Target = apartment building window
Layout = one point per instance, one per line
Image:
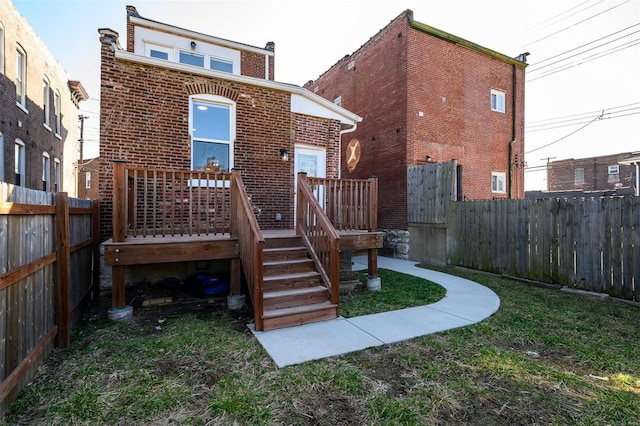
(613, 170)
(191, 59)
(21, 78)
(87, 180)
(1, 48)
(56, 176)
(56, 112)
(212, 132)
(46, 172)
(499, 182)
(579, 176)
(19, 162)
(46, 100)
(497, 101)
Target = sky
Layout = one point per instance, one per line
(582, 93)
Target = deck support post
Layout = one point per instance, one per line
(372, 262)
(118, 309)
(235, 277)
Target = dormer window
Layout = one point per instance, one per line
(158, 52)
(221, 65)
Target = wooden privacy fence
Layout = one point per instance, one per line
(430, 188)
(591, 244)
(49, 266)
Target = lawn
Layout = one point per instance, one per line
(545, 357)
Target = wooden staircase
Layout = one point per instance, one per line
(293, 293)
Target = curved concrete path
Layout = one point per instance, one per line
(465, 303)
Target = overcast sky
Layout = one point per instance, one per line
(583, 82)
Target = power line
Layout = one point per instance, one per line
(583, 113)
(580, 120)
(580, 22)
(584, 51)
(588, 59)
(566, 136)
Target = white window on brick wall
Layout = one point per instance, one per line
(46, 172)
(213, 128)
(46, 100)
(21, 78)
(87, 180)
(613, 170)
(499, 182)
(579, 176)
(56, 175)
(57, 112)
(497, 101)
(338, 101)
(19, 163)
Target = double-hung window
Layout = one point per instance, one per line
(56, 175)
(19, 163)
(497, 101)
(46, 100)
(21, 78)
(46, 172)
(212, 133)
(56, 111)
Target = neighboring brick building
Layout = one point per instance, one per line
(38, 110)
(88, 172)
(157, 94)
(426, 95)
(604, 173)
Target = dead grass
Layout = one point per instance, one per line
(544, 358)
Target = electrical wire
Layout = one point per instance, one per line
(566, 136)
(568, 123)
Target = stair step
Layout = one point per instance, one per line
(288, 298)
(285, 253)
(298, 315)
(290, 266)
(275, 242)
(293, 280)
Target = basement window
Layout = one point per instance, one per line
(497, 101)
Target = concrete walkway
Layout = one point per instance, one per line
(465, 303)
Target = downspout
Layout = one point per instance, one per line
(342, 132)
(513, 132)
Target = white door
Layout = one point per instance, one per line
(313, 161)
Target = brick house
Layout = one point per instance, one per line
(88, 172)
(38, 110)
(160, 92)
(607, 173)
(428, 96)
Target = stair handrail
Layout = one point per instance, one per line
(320, 237)
(244, 226)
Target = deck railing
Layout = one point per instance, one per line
(350, 204)
(250, 242)
(160, 202)
(320, 237)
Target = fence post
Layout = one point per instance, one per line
(302, 180)
(373, 211)
(119, 230)
(63, 253)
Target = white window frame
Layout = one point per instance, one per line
(338, 101)
(21, 78)
(496, 104)
(87, 180)
(1, 157)
(579, 176)
(498, 182)
(613, 170)
(57, 106)
(187, 52)
(46, 172)
(221, 101)
(57, 177)
(19, 162)
(221, 60)
(148, 47)
(46, 101)
(1, 48)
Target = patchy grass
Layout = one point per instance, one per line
(544, 358)
(397, 291)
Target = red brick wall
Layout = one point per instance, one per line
(253, 65)
(15, 123)
(144, 120)
(401, 72)
(561, 174)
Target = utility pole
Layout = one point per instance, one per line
(81, 140)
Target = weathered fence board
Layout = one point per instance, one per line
(586, 243)
(30, 281)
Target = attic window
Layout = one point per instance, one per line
(191, 59)
(351, 65)
(338, 101)
(158, 52)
